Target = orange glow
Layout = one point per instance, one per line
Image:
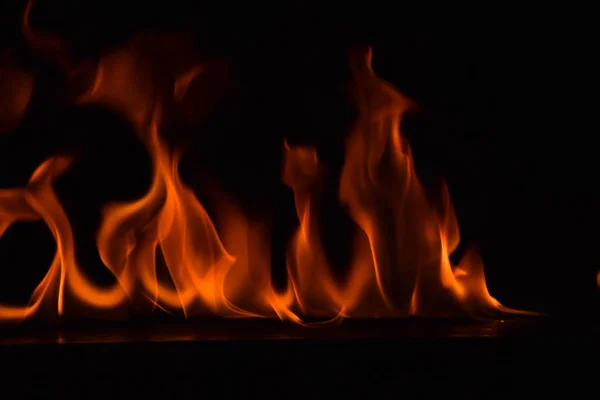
(64, 277)
(400, 262)
(45, 44)
(317, 292)
(410, 242)
(183, 82)
(17, 88)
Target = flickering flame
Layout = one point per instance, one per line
(316, 289)
(410, 242)
(64, 278)
(44, 44)
(400, 263)
(17, 88)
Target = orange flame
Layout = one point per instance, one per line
(46, 44)
(410, 242)
(204, 274)
(17, 88)
(316, 289)
(401, 262)
(38, 200)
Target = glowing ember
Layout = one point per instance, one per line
(400, 264)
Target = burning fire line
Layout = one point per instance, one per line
(400, 265)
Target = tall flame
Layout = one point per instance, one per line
(400, 264)
(318, 293)
(410, 241)
(170, 218)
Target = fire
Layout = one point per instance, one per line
(410, 241)
(17, 89)
(400, 264)
(64, 278)
(317, 291)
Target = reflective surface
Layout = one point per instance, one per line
(359, 359)
(259, 329)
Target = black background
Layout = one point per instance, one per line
(496, 91)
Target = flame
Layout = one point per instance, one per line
(183, 82)
(410, 241)
(17, 88)
(170, 218)
(124, 84)
(206, 277)
(39, 201)
(400, 265)
(317, 291)
(46, 44)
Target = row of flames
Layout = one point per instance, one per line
(400, 265)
